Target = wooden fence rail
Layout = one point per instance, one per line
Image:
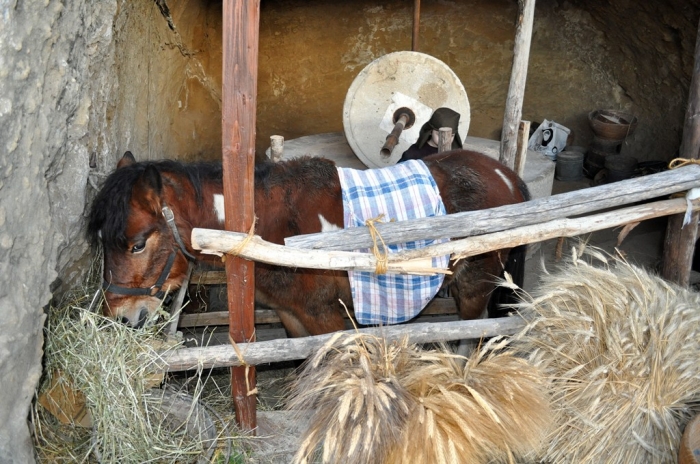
(507, 217)
(287, 349)
(537, 215)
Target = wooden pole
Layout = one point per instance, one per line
(467, 223)
(287, 349)
(276, 147)
(679, 243)
(516, 88)
(445, 139)
(416, 261)
(416, 25)
(241, 21)
(521, 152)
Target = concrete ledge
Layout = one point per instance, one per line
(538, 175)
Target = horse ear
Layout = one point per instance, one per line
(126, 160)
(147, 189)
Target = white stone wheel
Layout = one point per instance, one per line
(400, 79)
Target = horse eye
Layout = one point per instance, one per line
(138, 248)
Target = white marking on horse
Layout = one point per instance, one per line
(219, 207)
(326, 225)
(506, 180)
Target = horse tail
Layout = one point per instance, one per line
(503, 297)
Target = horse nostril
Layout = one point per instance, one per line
(124, 320)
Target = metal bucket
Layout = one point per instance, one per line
(569, 166)
(620, 167)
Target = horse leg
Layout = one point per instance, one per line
(292, 325)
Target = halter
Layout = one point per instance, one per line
(156, 289)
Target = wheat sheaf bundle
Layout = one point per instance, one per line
(374, 401)
(620, 346)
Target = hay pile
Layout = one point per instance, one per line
(620, 346)
(112, 366)
(375, 402)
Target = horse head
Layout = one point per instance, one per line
(144, 255)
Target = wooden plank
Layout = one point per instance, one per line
(289, 349)
(438, 306)
(516, 87)
(241, 21)
(679, 243)
(200, 277)
(471, 223)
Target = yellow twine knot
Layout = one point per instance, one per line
(236, 251)
(679, 162)
(381, 257)
(247, 366)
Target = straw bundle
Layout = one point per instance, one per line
(374, 402)
(620, 346)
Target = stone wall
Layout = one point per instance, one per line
(81, 82)
(55, 62)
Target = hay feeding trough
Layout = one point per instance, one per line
(380, 402)
(620, 347)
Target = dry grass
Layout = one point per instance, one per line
(112, 366)
(620, 347)
(375, 402)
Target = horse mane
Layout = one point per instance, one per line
(110, 209)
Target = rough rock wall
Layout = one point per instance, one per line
(54, 60)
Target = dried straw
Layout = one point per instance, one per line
(620, 347)
(374, 402)
(112, 366)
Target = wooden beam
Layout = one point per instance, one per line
(506, 217)
(289, 349)
(679, 243)
(518, 77)
(241, 22)
(218, 241)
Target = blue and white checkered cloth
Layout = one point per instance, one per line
(400, 192)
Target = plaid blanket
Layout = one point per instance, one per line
(403, 191)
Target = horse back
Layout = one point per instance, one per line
(470, 181)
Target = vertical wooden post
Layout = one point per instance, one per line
(679, 243)
(241, 22)
(445, 139)
(416, 25)
(518, 76)
(521, 152)
(276, 147)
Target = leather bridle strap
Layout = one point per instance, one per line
(170, 220)
(155, 290)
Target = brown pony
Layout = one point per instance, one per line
(145, 212)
